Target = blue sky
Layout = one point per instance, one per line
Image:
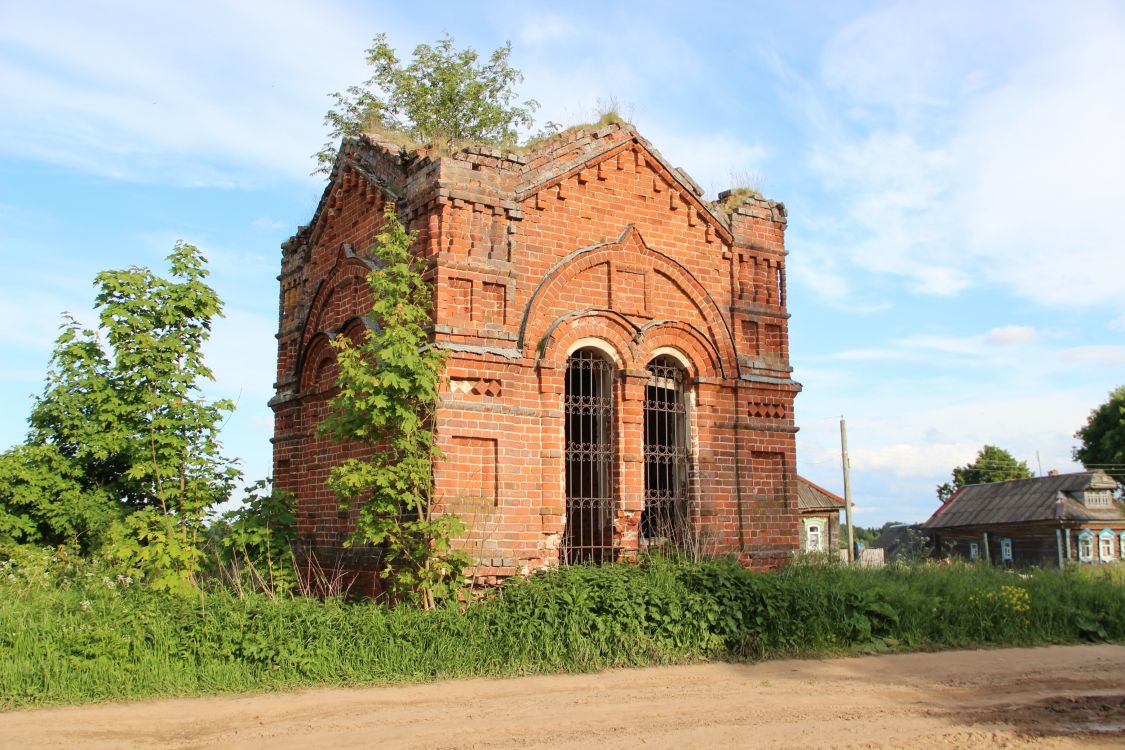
(954, 172)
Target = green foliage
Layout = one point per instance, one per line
(992, 464)
(156, 328)
(90, 637)
(126, 432)
(444, 96)
(1103, 437)
(43, 499)
(157, 548)
(256, 542)
(387, 390)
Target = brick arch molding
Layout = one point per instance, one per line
(311, 356)
(611, 328)
(693, 344)
(537, 319)
(348, 269)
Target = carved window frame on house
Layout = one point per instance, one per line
(1086, 546)
(1006, 550)
(814, 534)
(1106, 539)
(1123, 545)
(666, 518)
(974, 551)
(589, 423)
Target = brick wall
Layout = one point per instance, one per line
(591, 240)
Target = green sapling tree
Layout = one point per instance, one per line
(123, 448)
(388, 388)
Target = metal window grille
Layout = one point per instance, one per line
(588, 407)
(667, 452)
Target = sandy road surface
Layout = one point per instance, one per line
(1058, 697)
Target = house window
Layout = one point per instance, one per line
(1106, 544)
(667, 453)
(812, 538)
(974, 551)
(1086, 546)
(1005, 550)
(589, 423)
(1101, 499)
(1123, 544)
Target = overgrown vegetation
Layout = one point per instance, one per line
(743, 185)
(90, 636)
(388, 390)
(443, 97)
(252, 546)
(122, 455)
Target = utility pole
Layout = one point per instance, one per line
(847, 487)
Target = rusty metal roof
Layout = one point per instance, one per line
(1049, 498)
(814, 497)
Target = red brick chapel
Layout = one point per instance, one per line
(618, 365)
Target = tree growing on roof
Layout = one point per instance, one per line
(992, 464)
(444, 96)
(1103, 437)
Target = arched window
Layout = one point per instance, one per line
(589, 425)
(667, 453)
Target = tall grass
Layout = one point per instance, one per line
(97, 638)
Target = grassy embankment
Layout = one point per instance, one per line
(93, 638)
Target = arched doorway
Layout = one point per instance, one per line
(589, 424)
(667, 451)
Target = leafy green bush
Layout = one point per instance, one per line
(92, 636)
(253, 545)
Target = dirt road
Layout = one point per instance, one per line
(1058, 697)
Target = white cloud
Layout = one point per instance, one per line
(266, 224)
(962, 156)
(1009, 335)
(145, 93)
(1109, 355)
(996, 347)
(897, 438)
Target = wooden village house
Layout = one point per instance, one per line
(820, 517)
(618, 361)
(1052, 520)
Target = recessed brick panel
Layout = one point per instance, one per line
(493, 303)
